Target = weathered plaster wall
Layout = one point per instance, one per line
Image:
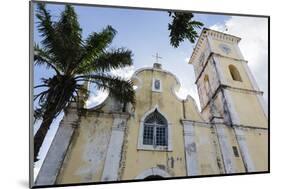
(248, 109)
(205, 92)
(209, 161)
(257, 143)
(85, 159)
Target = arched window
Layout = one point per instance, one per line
(155, 130)
(207, 86)
(234, 73)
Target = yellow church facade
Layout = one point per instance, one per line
(163, 136)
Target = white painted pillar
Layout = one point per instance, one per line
(58, 149)
(244, 150)
(190, 149)
(114, 151)
(225, 147)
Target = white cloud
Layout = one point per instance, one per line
(194, 94)
(254, 45)
(187, 59)
(182, 92)
(124, 73)
(190, 90)
(96, 98)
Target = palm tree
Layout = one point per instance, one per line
(182, 27)
(74, 61)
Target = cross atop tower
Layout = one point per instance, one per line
(157, 57)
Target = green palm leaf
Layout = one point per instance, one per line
(75, 61)
(182, 27)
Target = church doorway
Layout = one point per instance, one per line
(153, 177)
(153, 173)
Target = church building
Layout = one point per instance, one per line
(163, 136)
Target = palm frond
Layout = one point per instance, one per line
(69, 31)
(118, 87)
(51, 42)
(182, 27)
(59, 92)
(113, 59)
(95, 45)
(41, 57)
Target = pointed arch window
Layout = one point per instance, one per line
(155, 130)
(234, 73)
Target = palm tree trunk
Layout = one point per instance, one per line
(41, 134)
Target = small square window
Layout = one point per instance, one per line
(156, 85)
(235, 151)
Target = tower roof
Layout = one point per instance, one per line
(206, 32)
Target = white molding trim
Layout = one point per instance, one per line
(153, 172)
(141, 146)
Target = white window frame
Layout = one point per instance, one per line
(153, 86)
(142, 146)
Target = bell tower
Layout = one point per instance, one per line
(231, 100)
(227, 89)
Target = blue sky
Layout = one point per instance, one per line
(145, 32)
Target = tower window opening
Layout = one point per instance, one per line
(234, 73)
(207, 85)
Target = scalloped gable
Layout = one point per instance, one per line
(191, 110)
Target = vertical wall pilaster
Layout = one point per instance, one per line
(190, 149)
(114, 151)
(58, 149)
(244, 149)
(225, 147)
